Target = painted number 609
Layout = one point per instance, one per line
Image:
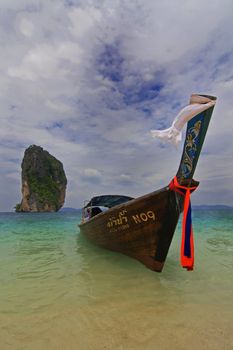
(149, 215)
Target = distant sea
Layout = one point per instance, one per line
(57, 291)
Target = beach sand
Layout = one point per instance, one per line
(119, 325)
(59, 292)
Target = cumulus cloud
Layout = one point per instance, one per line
(91, 175)
(87, 80)
(26, 27)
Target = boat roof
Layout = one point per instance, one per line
(108, 201)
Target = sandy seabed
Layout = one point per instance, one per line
(120, 326)
(58, 292)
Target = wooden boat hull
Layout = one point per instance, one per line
(142, 228)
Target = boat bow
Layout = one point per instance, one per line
(143, 228)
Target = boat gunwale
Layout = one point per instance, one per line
(119, 206)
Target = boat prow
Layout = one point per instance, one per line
(143, 228)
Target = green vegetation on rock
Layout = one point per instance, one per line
(43, 181)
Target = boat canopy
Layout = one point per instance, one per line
(108, 201)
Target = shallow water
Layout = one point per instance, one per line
(57, 291)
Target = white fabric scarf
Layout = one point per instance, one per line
(173, 134)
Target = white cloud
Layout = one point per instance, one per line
(83, 19)
(26, 27)
(88, 82)
(45, 61)
(125, 177)
(91, 173)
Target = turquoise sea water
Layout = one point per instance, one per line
(57, 291)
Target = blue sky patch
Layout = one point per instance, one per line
(110, 63)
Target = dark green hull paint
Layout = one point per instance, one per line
(203, 119)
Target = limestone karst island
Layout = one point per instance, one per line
(43, 182)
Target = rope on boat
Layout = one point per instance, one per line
(187, 242)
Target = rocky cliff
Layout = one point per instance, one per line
(43, 182)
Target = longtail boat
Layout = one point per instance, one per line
(143, 228)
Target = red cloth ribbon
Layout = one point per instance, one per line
(187, 242)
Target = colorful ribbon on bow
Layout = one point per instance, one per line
(187, 242)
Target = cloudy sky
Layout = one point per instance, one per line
(87, 80)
